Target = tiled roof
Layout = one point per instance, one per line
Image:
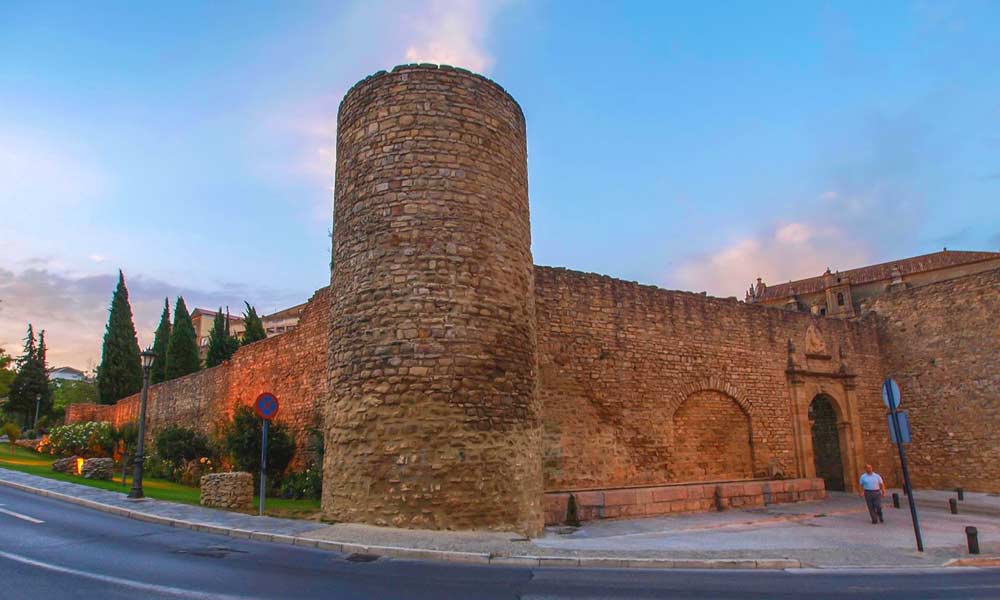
(879, 272)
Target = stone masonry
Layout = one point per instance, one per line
(460, 387)
(433, 418)
(941, 343)
(227, 490)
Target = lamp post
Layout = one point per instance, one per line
(147, 356)
(38, 403)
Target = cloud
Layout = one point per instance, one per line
(452, 33)
(73, 309)
(795, 250)
(875, 181)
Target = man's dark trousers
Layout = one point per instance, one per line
(873, 498)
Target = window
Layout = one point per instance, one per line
(822, 312)
(840, 298)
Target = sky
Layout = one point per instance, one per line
(692, 146)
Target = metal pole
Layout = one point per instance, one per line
(906, 471)
(263, 464)
(38, 402)
(137, 473)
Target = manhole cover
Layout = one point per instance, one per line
(362, 558)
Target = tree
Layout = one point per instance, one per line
(221, 344)
(254, 329)
(120, 372)
(160, 342)
(7, 373)
(182, 350)
(241, 440)
(31, 381)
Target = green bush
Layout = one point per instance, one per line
(304, 484)
(13, 433)
(241, 440)
(90, 439)
(178, 444)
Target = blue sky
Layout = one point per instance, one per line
(691, 146)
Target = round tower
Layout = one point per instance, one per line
(433, 419)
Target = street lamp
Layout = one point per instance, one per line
(147, 356)
(38, 403)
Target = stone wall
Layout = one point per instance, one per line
(645, 386)
(941, 343)
(291, 365)
(433, 418)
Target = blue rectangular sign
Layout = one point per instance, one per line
(904, 427)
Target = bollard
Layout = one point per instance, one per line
(895, 500)
(953, 505)
(961, 493)
(972, 537)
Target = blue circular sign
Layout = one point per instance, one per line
(266, 406)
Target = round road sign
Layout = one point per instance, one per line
(266, 406)
(891, 387)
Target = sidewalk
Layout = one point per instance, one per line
(830, 533)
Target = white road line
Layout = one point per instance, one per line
(20, 516)
(130, 583)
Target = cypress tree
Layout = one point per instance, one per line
(160, 341)
(254, 329)
(232, 342)
(31, 380)
(220, 346)
(120, 372)
(182, 350)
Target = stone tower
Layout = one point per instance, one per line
(433, 419)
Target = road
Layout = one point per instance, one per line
(50, 549)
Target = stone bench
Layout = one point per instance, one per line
(227, 490)
(663, 500)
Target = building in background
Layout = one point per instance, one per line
(67, 373)
(283, 320)
(203, 319)
(274, 324)
(842, 294)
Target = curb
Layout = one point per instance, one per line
(481, 558)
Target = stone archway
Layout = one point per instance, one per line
(828, 458)
(712, 439)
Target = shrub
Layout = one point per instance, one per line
(305, 484)
(241, 441)
(13, 433)
(90, 439)
(178, 444)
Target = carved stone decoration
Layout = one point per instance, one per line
(814, 342)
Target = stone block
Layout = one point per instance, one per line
(227, 490)
(98, 468)
(66, 465)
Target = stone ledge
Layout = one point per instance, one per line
(695, 497)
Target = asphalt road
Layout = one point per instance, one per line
(75, 552)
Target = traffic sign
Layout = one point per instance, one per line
(266, 406)
(904, 427)
(890, 394)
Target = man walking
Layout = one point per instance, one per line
(872, 489)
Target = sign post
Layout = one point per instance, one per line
(891, 397)
(266, 407)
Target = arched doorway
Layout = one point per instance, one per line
(826, 443)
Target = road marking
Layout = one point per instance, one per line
(130, 583)
(20, 516)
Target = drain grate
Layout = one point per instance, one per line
(210, 552)
(361, 558)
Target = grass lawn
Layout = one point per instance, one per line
(28, 461)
